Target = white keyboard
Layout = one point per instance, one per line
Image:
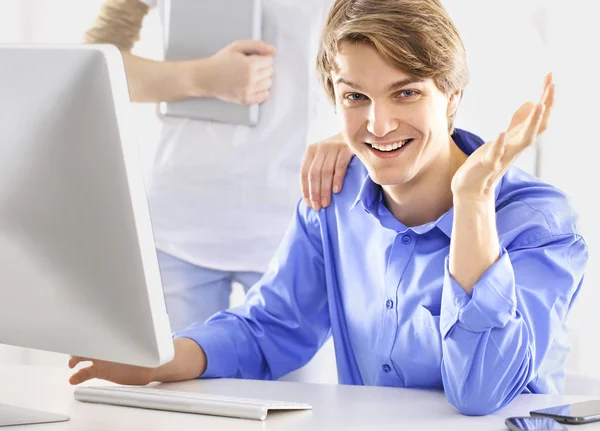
(187, 402)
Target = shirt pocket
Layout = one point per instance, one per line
(419, 355)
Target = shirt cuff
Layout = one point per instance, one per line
(221, 357)
(492, 303)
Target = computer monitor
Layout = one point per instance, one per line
(78, 266)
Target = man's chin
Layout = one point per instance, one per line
(387, 178)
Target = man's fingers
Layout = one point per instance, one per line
(327, 171)
(521, 115)
(83, 375)
(499, 147)
(548, 79)
(341, 166)
(75, 360)
(547, 100)
(548, 103)
(533, 127)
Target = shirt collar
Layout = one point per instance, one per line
(370, 194)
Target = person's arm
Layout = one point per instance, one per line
(283, 323)
(474, 246)
(239, 73)
(285, 319)
(153, 81)
(233, 75)
(502, 309)
(495, 339)
(188, 363)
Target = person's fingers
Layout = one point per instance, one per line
(256, 98)
(83, 375)
(548, 103)
(309, 156)
(497, 151)
(548, 79)
(73, 361)
(505, 154)
(263, 85)
(314, 180)
(533, 126)
(264, 73)
(249, 47)
(261, 62)
(327, 171)
(341, 166)
(521, 115)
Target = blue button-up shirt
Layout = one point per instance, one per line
(384, 292)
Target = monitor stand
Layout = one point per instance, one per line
(12, 415)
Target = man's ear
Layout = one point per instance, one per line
(453, 103)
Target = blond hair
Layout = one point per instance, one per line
(416, 36)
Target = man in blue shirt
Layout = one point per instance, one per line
(437, 266)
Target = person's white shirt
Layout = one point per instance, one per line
(221, 196)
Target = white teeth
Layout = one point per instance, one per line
(390, 147)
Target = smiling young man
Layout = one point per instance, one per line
(437, 266)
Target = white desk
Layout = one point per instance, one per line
(335, 407)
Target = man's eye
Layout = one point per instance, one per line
(407, 93)
(354, 97)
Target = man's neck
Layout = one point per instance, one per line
(428, 196)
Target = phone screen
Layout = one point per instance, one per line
(534, 424)
(585, 409)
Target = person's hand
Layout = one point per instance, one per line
(113, 372)
(189, 362)
(323, 170)
(241, 72)
(483, 169)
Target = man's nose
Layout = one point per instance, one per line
(381, 120)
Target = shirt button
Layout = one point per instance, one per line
(406, 239)
(389, 304)
(386, 368)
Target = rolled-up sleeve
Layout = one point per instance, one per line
(495, 339)
(285, 318)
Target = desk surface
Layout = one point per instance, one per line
(336, 407)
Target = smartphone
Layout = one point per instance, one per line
(533, 424)
(576, 413)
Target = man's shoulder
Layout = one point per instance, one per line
(353, 182)
(529, 209)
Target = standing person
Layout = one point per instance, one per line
(221, 195)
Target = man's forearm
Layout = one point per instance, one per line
(189, 362)
(474, 246)
(163, 81)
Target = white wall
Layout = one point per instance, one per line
(507, 63)
(570, 156)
